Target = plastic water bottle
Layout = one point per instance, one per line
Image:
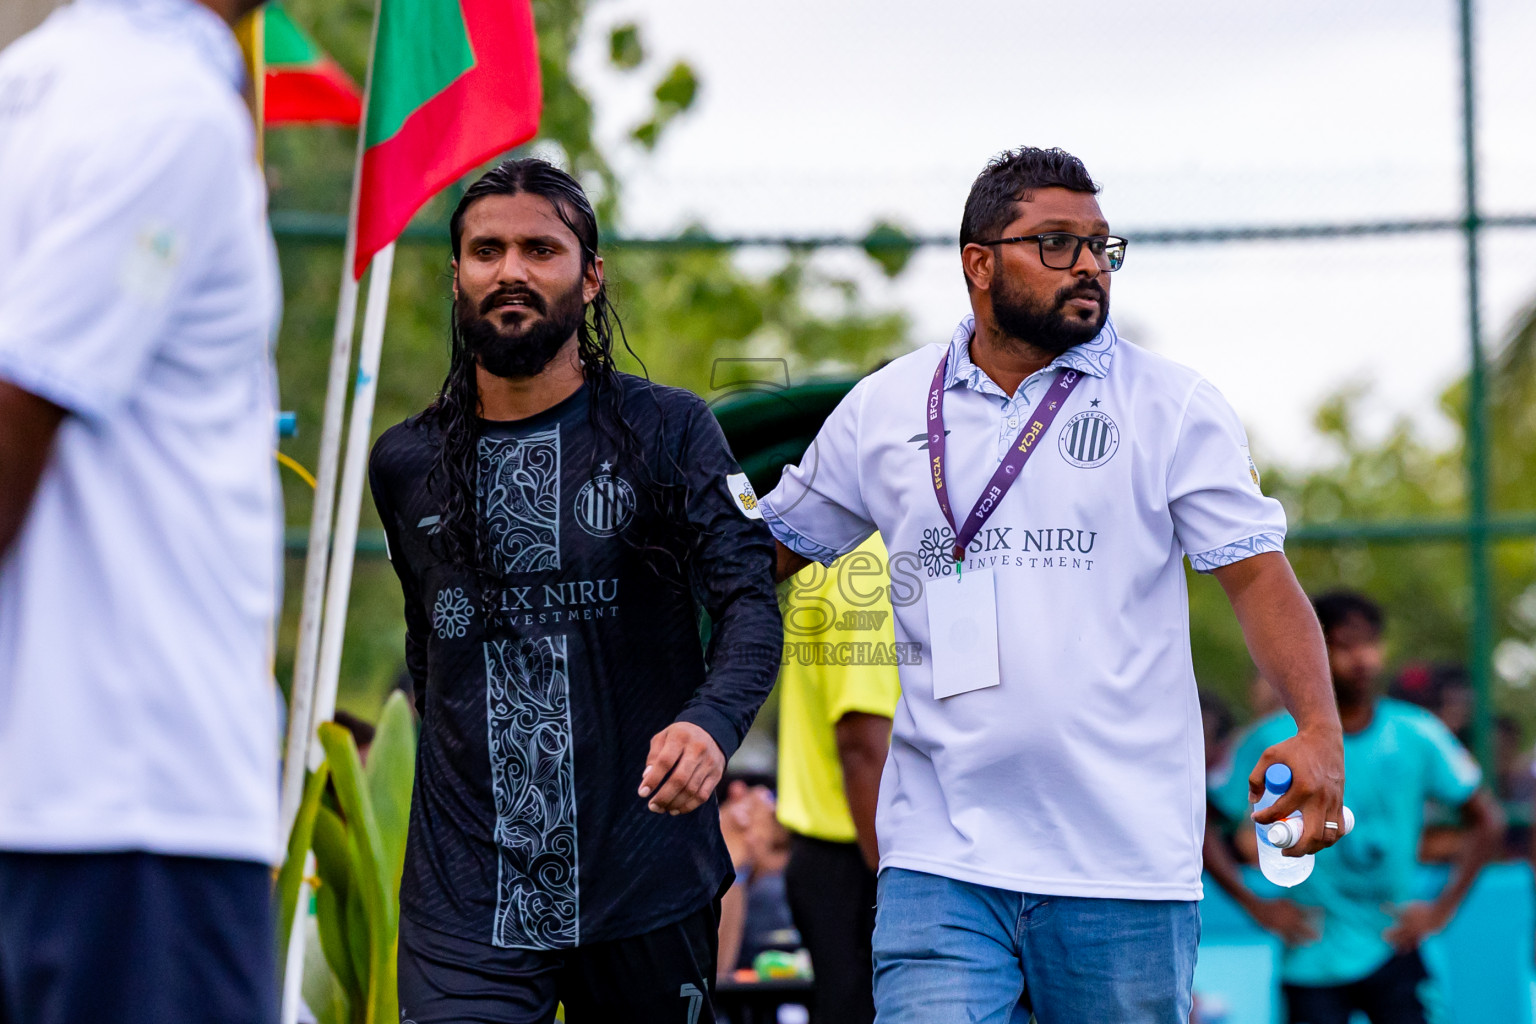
(1285, 833)
(1277, 867)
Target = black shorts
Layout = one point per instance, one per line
(135, 938)
(662, 977)
(1390, 995)
(832, 897)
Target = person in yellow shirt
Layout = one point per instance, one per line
(837, 693)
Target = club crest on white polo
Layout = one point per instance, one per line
(1089, 439)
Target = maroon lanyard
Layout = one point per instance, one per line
(1023, 447)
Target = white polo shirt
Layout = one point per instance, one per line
(138, 290)
(1082, 773)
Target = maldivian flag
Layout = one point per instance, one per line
(303, 84)
(454, 83)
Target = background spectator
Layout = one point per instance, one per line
(754, 914)
(834, 732)
(1352, 930)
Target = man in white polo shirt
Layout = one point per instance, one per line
(139, 523)
(1042, 809)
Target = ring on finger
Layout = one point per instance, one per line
(1331, 824)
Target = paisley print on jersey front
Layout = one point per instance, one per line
(533, 778)
(520, 500)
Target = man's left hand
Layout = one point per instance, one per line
(1415, 923)
(686, 764)
(1316, 761)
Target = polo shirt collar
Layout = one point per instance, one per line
(205, 31)
(1091, 357)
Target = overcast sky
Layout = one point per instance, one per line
(826, 116)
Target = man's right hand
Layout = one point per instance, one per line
(27, 428)
(1316, 760)
(1293, 923)
(686, 763)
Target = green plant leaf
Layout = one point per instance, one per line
(355, 930)
(320, 988)
(332, 862)
(624, 47)
(331, 921)
(352, 793)
(391, 771)
(890, 246)
(679, 88)
(290, 877)
(380, 904)
(674, 94)
(647, 134)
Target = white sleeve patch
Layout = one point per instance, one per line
(1253, 470)
(743, 495)
(149, 268)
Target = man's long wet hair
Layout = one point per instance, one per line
(457, 407)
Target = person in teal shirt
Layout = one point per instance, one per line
(1352, 930)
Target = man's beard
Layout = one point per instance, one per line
(525, 351)
(1047, 326)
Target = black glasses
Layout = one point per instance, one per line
(1059, 250)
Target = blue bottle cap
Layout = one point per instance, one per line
(1277, 778)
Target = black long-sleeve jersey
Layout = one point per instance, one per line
(540, 692)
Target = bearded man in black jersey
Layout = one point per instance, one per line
(557, 527)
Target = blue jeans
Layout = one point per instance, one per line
(951, 952)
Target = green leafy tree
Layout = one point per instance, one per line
(1424, 585)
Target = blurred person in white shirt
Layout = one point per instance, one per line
(140, 523)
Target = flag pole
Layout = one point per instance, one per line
(292, 993)
(301, 719)
(251, 32)
(301, 722)
(339, 585)
(332, 628)
(350, 503)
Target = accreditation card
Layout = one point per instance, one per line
(962, 632)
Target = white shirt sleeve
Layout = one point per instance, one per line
(1219, 513)
(817, 510)
(122, 235)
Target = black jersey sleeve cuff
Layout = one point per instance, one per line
(716, 724)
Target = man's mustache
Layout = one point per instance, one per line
(1089, 290)
(534, 300)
